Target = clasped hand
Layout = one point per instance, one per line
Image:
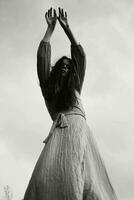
(51, 18)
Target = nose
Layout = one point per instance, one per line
(65, 66)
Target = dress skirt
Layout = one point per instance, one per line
(70, 166)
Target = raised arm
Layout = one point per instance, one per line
(44, 50)
(62, 18)
(77, 52)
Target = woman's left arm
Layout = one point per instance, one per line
(62, 18)
(79, 60)
(77, 52)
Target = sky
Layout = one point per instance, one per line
(105, 29)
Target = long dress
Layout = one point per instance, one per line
(70, 166)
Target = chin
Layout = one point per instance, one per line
(63, 75)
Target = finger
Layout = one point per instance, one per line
(50, 12)
(46, 15)
(66, 14)
(62, 12)
(55, 15)
(59, 11)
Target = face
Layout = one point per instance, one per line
(65, 67)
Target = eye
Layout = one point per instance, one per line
(65, 66)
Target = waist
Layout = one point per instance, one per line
(61, 119)
(74, 111)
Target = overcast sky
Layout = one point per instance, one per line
(105, 28)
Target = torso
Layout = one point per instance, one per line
(54, 114)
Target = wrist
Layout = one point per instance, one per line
(48, 34)
(66, 28)
(51, 27)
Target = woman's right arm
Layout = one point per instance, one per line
(44, 50)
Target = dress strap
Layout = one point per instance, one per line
(76, 113)
(81, 111)
(60, 122)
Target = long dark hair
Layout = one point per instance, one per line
(61, 89)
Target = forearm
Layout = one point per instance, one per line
(70, 35)
(48, 34)
(43, 61)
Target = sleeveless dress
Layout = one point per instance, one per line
(70, 166)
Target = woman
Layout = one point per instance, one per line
(70, 166)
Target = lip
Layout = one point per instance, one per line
(64, 70)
